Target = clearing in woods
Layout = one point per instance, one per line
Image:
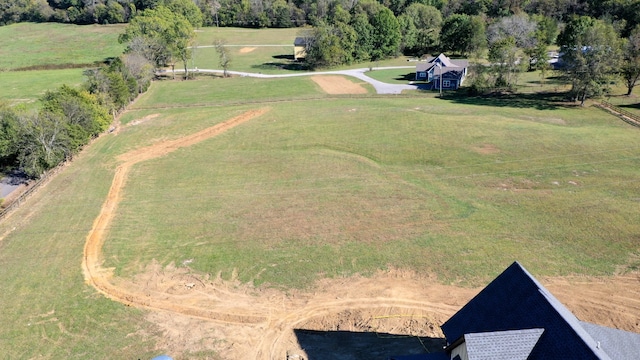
(195, 312)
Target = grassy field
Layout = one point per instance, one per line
(48, 45)
(28, 86)
(320, 186)
(446, 187)
(49, 56)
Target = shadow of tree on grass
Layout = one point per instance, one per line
(286, 63)
(540, 101)
(406, 77)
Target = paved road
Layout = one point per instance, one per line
(381, 87)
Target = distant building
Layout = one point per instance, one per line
(516, 318)
(452, 72)
(299, 48)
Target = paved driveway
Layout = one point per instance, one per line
(381, 87)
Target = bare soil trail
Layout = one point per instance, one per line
(198, 312)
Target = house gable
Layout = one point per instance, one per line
(442, 66)
(515, 300)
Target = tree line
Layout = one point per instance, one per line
(34, 141)
(294, 13)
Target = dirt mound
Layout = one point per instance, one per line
(246, 50)
(338, 85)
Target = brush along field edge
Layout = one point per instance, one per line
(98, 277)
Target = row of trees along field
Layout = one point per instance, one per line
(292, 13)
(34, 141)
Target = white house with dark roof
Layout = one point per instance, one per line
(451, 71)
(516, 318)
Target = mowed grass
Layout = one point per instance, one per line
(48, 311)
(29, 86)
(356, 185)
(48, 44)
(218, 91)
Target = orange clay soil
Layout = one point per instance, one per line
(198, 312)
(338, 85)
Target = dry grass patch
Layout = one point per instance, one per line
(338, 85)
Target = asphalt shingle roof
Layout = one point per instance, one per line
(516, 300)
(502, 345)
(618, 344)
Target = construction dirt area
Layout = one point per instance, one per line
(394, 312)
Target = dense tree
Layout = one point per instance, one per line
(186, 8)
(631, 65)
(386, 35)
(330, 45)
(462, 34)
(420, 26)
(83, 116)
(591, 56)
(8, 136)
(169, 32)
(364, 33)
(505, 62)
(43, 142)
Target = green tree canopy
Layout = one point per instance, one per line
(462, 34)
(386, 35)
(170, 32)
(631, 64)
(592, 53)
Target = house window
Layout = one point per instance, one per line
(422, 74)
(446, 83)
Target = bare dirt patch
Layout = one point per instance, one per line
(246, 50)
(365, 311)
(200, 313)
(486, 149)
(338, 85)
(142, 120)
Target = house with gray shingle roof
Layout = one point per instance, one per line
(452, 72)
(515, 317)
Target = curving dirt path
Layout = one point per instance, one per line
(99, 277)
(199, 313)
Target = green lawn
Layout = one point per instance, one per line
(445, 187)
(394, 76)
(28, 86)
(50, 44)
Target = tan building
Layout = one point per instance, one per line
(299, 48)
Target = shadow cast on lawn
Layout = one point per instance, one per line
(540, 101)
(293, 66)
(406, 77)
(336, 345)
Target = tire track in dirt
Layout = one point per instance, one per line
(98, 277)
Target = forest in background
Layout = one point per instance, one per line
(294, 13)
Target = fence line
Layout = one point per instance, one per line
(15, 203)
(626, 116)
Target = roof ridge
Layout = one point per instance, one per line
(566, 315)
